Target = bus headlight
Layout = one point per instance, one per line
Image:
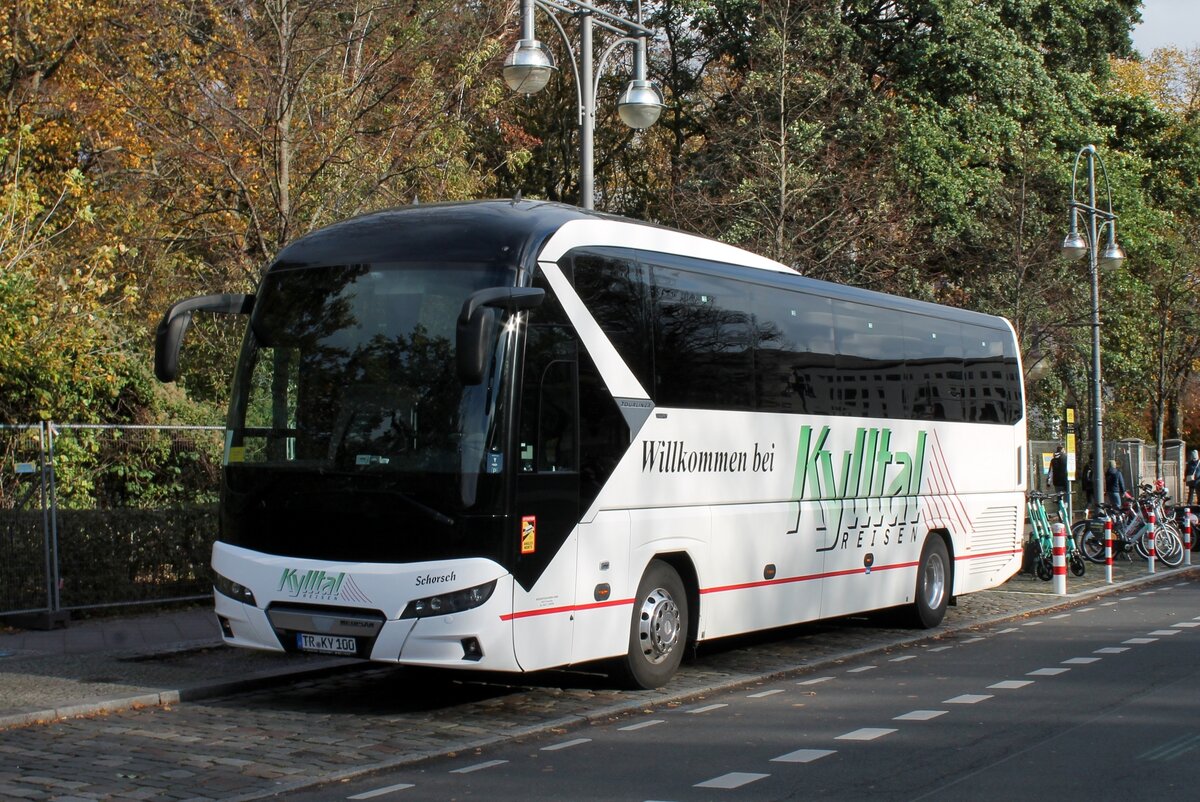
(227, 587)
(447, 603)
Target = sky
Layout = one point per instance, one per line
(1168, 23)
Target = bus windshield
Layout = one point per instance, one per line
(347, 387)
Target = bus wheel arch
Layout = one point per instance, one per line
(934, 582)
(662, 623)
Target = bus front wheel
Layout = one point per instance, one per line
(933, 584)
(658, 628)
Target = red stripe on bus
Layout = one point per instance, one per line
(572, 608)
(1008, 553)
(804, 578)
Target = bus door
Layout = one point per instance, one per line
(547, 485)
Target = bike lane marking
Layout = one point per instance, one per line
(487, 764)
(734, 779)
(566, 744)
(804, 756)
(381, 791)
(920, 715)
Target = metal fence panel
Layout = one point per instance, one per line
(26, 550)
(136, 512)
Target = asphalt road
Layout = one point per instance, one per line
(317, 729)
(1095, 702)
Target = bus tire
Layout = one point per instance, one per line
(658, 629)
(933, 584)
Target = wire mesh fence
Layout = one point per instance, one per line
(100, 516)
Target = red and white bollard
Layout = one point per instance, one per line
(1059, 551)
(1150, 544)
(1108, 551)
(1187, 535)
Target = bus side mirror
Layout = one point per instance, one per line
(473, 333)
(169, 336)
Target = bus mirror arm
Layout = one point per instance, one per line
(471, 334)
(169, 336)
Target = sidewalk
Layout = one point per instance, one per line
(165, 658)
(111, 664)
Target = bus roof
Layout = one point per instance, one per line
(515, 232)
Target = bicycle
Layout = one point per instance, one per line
(1040, 546)
(1131, 529)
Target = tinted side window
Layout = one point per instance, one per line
(702, 352)
(934, 356)
(613, 289)
(870, 361)
(793, 352)
(990, 389)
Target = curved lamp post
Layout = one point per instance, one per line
(1076, 245)
(529, 67)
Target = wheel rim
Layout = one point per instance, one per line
(659, 625)
(933, 582)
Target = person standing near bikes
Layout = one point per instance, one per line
(1191, 476)
(1058, 471)
(1114, 485)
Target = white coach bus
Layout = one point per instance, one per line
(518, 435)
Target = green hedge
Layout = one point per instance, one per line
(22, 560)
(135, 555)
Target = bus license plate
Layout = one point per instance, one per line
(326, 644)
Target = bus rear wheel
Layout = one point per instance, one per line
(933, 584)
(658, 629)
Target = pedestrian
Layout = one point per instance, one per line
(1089, 485)
(1114, 485)
(1191, 476)
(1058, 471)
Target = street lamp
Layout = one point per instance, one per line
(1076, 245)
(529, 67)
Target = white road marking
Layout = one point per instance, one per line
(1033, 623)
(1112, 650)
(1047, 672)
(861, 669)
(1148, 593)
(641, 725)
(566, 744)
(1165, 632)
(814, 681)
(762, 694)
(479, 766)
(904, 657)
(1109, 604)
(1081, 661)
(1061, 615)
(968, 699)
(1011, 684)
(973, 640)
(1006, 631)
(382, 791)
(940, 648)
(706, 709)
(1128, 598)
(1188, 624)
(1085, 609)
(1139, 641)
(919, 715)
(804, 756)
(865, 734)
(732, 780)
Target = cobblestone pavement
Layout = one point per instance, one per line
(340, 720)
